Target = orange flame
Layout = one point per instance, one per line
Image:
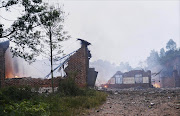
(156, 85)
(10, 66)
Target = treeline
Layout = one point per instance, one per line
(164, 56)
(155, 60)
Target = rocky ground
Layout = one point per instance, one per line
(149, 102)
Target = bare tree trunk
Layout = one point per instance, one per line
(50, 38)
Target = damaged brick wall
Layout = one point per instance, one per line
(28, 81)
(173, 81)
(78, 66)
(167, 82)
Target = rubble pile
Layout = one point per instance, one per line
(146, 102)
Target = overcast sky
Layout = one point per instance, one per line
(121, 30)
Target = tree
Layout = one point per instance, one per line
(24, 33)
(153, 59)
(38, 31)
(171, 45)
(162, 52)
(52, 23)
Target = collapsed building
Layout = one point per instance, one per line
(168, 74)
(131, 79)
(78, 68)
(170, 81)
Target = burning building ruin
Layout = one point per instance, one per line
(134, 78)
(172, 81)
(167, 79)
(78, 68)
(168, 74)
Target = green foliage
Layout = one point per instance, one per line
(153, 59)
(28, 103)
(52, 23)
(171, 53)
(29, 32)
(17, 94)
(23, 32)
(68, 87)
(162, 53)
(75, 105)
(165, 56)
(8, 3)
(27, 108)
(17, 101)
(171, 45)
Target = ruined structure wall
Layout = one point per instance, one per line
(129, 79)
(167, 82)
(28, 81)
(3, 47)
(173, 81)
(2, 67)
(123, 86)
(78, 65)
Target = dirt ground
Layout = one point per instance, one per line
(149, 102)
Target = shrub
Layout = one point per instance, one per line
(18, 93)
(23, 102)
(27, 108)
(68, 87)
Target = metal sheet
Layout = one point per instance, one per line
(92, 75)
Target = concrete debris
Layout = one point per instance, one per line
(108, 102)
(144, 102)
(152, 104)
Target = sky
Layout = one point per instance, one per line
(119, 30)
(122, 31)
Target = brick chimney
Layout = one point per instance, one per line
(78, 64)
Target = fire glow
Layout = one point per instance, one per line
(156, 85)
(11, 66)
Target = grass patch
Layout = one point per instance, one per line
(73, 105)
